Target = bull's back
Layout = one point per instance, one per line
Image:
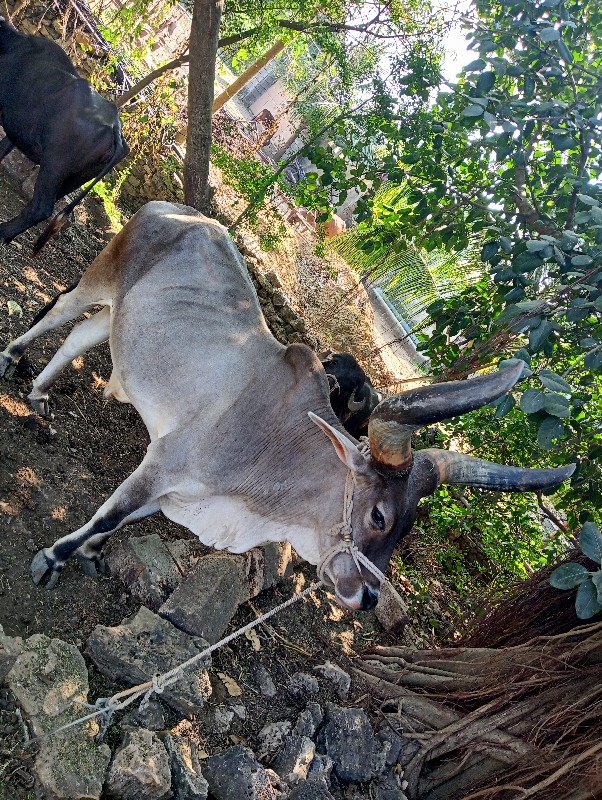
(187, 329)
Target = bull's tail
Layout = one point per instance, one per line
(121, 150)
(49, 306)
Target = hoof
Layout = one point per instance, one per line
(95, 567)
(40, 405)
(7, 366)
(44, 570)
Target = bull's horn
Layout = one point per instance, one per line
(352, 403)
(393, 421)
(470, 471)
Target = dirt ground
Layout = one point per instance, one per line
(53, 477)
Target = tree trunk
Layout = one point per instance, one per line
(247, 75)
(204, 35)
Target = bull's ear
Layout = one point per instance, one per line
(346, 450)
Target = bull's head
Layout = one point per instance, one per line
(391, 480)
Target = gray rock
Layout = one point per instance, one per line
(302, 685)
(146, 566)
(140, 768)
(207, 599)
(186, 778)
(186, 553)
(320, 767)
(387, 789)
(223, 719)
(292, 763)
(347, 737)
(312, 789)
(271, 737)
(279, 299)
(308, 720)
(10, 648)
(391, 744)
(336, 677)
(391, 609)
(148, 645)
(239, 710)
(273, 277)
(151, 717)
(235, 774)
(265, 682)
(50, 682)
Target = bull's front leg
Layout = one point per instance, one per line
(136, 498)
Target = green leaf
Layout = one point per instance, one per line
(489, 250)
(554, 382)
(597, 581)
(486, 82)
(539, 335)
(535, 245)
(562, 141)
(593, 360)
(473, 110)
(532, 401)
(549, 35)
(587, 200)
(586, 602)
(590, 541)
(564, 52)
(567, 576)
(550, 429)
(505, 407)
(525, 262)
(581, 261)
(557, 405)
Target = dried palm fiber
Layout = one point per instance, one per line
(497, 724)
(529, 608)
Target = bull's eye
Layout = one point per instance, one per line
(378, 519)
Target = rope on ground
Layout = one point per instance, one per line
(105, 707)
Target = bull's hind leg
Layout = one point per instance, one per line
(136, 498)
(68, 306)
(83, 337)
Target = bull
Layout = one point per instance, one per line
(239, 467)
(58, 121)
(352, 395)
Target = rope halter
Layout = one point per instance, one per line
(346, 544)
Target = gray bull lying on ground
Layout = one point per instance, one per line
(244, 445)
(58, 121)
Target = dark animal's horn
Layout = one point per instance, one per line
(352, 403)
(469, 471)
(393, 421)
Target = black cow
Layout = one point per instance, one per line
(58, 121)
(352, 396)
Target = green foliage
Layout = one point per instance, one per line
(588, 600)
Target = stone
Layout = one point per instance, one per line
(301, 685)
(148, 645)
(10, 648)
(387, 789)
(151, 717)
(49, 680)
(293, 761)
(207, 599)
(279, 299)
(308, 720)
(336, 677)
(140, 768)
(273, 277)
(265, 682)
(320, 767)
(146, 566)
(187, 780)
(235, 774)
(271, 738)
(391, 609)
(347, 737)
(223, 719)
(186, 553)
(274, 562)
(312, 789)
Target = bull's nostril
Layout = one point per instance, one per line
(369, 598)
